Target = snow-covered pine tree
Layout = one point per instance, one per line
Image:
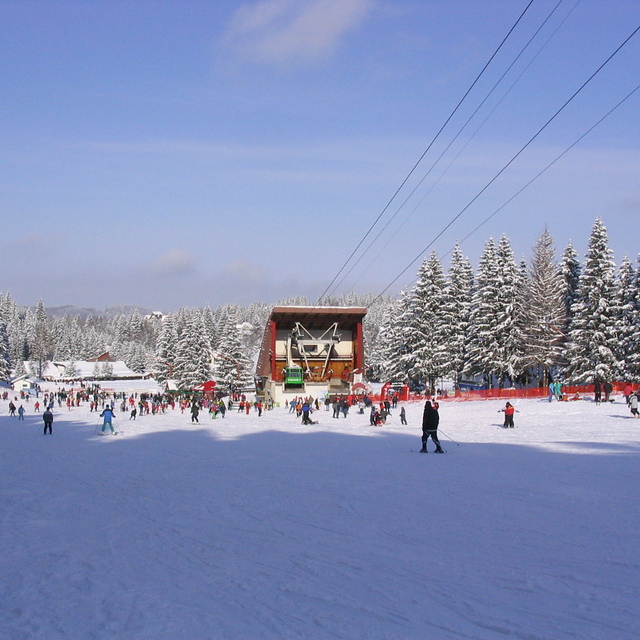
(592, 338)
(71, 371)
(136, 326)
(632, 348)
(18, 345)
(509, 330)
(570, 269)
(209, 325)
(545, 313)
(165, 356)
(456, 308)
(5, 362)
(106, 370)
(626, 320)
(482, 343)
(372, 326)
(137, 358)
(256, 314)
(496, 320)
(426, 359)
(193, 353)
(392, 344)
(5, 348)
(232, 365)
(39, 343)
(19, 369)
(94, 344)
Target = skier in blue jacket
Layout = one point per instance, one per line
(107, 416)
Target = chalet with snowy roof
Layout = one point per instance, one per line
(311, 351)
(23, 383)
(59, 371)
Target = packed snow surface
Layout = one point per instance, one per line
(259, 527)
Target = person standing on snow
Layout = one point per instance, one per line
(508, 411)
(633, 404)
(557, 385)
(597, 391)
(47, 416)
(108, 417)
(430, 422)
(628, 392)
(403, 415)
(21, 413)
(306, 410)
(195, 410)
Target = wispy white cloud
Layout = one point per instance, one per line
(293, 32)
(175, 262)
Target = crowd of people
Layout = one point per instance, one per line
(150, 404)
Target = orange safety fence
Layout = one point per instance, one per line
(569, 392)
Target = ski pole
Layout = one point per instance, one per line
(450, 438)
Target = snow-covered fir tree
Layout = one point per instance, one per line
(570, 269)
(627, 317)
(426, 359)
(496, 321)
(456, 307)
(210, 325)
(165, 356)
(5, 362)
(94, 344)
(632, 346)
(233, 367)
(138, 358)
(39, 343)
(545, 312)
(393, 342)
(372, 325)
(71, 371)
(193, 353)
(482, 319)
(106, 370)
(592, 336)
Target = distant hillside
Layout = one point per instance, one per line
(84, 313)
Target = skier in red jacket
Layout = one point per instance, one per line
(508, 410)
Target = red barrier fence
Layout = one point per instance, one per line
(569, 392)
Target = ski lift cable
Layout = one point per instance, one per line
(433, 140)
(406, 219)
(495, 86)
(513, 158)
(528, 184)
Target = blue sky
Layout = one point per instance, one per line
(187, 153)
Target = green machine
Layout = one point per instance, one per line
(293, 376)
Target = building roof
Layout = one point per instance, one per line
(85, 369)
(316, 317)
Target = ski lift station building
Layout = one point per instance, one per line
(310, 351)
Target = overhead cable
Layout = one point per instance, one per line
(513, 158)
(415, 166)
(464, 126)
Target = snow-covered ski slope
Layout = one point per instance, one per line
(249, 527)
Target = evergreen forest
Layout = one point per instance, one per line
(506, 323)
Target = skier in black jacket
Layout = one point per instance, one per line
(47, 416)
(430, 421)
